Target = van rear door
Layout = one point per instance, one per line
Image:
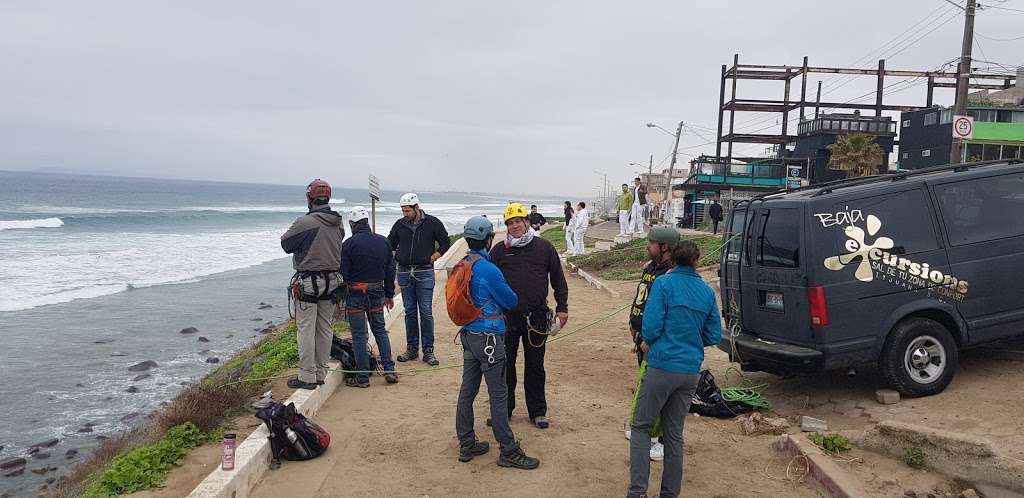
(773, 280)
(735, 235)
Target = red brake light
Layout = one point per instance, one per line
(819, 307)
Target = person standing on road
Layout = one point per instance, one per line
(580, 223)
(537, 220)
(681, 318)
(368, 267)
(568, 228)
(531, 265)
(417, 239)
(314, 241)
(625, 206)
(484, 353)
(636, 224)
(660, 242)
(716, 214)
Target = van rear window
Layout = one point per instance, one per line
(779, 243)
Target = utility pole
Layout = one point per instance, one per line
(963, 76)
(671, 171)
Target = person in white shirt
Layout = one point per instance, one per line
(580, 224)
(636, 218)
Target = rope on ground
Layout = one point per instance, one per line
(434, 369)
(746, 391)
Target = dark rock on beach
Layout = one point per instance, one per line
(141, 377)
(213, 359)
(132, 390)
(130, 416)
(118, 353)
(103, 341)
(189, 330)
(49, 443)
(85, 430)
(264, 306)
(42, 455)
(10, 463)
(72, 453)
(14, 473)
(257, 319)
(142, 366)
(203, 339)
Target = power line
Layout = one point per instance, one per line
(990, 38)
(1019, 11)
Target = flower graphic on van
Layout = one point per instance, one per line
(859, 249)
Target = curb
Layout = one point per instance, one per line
(828, 478)
(957, 455)
(592, 280)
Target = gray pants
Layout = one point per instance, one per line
(477, 364)
(314, 338)
(669, 395)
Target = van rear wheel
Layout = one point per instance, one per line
(920, 357)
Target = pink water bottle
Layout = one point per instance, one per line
(227, 460)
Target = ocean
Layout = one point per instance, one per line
(100, 273)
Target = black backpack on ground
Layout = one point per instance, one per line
(292, 435)
(708, 400)
(341, 350)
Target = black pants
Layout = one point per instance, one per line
(533, 374)
(716, 226)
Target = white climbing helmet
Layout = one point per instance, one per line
(358, 213)
(409, 199)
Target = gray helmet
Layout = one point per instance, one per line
(478, 228)
(664, 234)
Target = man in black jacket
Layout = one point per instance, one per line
(530, 264)
(537, 220)
(417, 240)
(369, 270)
(715, 212)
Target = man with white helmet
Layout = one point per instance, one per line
(369, 270)
(314, 240)
(417, 240)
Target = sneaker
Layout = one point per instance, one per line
(298, 384)
(409, 355)
(657, 451)
(541, 422)
(518, 460)
(356, 382)
(628, 432)
(391, 377)
(429, 358)
(466, 453)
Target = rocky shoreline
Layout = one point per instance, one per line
(44, 465)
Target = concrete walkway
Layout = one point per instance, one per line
(610, 229)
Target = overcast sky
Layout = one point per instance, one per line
(527, 96)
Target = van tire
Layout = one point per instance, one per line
(932, 340)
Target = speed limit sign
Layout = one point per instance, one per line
(963, 127)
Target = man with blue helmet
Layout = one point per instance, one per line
(483, 346)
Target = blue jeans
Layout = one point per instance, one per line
(418, 299)
(359, 308)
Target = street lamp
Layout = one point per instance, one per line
(604, 189)
(671, 168)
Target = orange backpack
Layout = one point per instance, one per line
(461, 309)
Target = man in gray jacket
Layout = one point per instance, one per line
(314, 241)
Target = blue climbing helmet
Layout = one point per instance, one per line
(478, 228)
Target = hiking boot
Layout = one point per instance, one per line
(391, 377)
(466, 453)
(429, 358)
(409, 355)
(518, 460)
(540, 422)
(298, 384)
(356, 382)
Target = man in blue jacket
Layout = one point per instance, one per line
(681, 318)
(368, 267)
(483, 353)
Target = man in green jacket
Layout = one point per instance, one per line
(625, 204)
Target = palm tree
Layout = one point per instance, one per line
(857, 154)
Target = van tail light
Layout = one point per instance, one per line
(819, 307)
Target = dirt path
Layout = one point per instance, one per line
(399, 441)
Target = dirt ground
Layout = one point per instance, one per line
(399, 440)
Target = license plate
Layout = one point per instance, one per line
(773, 301)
